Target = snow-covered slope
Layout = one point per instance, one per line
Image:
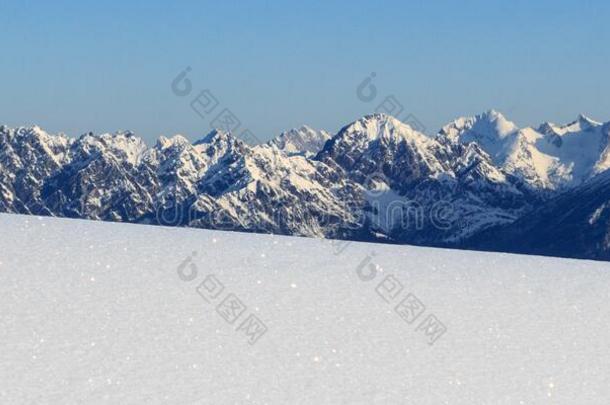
(101, 313)
(549, 157)
(407, 174)
(580, 147)
(301, 141)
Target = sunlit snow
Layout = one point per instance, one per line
(95, 312)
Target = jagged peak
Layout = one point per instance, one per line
(35, 132)
(292, 132)
(582, 122)
(164, 142)
(24, 130)
(300, 140)
(489, 115)
(380, 125)
(585, 120)
(216, 135)
(303, 128)
(120, 139)
(306, 127)
(380, 117)
(493, 114)
(490, 124)
(547, 128)
(497, 118)
(119, 143)
(39, 132)
(127, 133)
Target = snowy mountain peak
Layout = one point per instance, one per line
(119, 139)
(485, 128)
(581, 123)
(176, 140)
(37, 129)
(585, 122)
(493, 115)
(304, 141)
(33, 131)
(516, 151)
(126, 133)
(30, 148)
(380, 127)
(488, 168)
(121, 145)
(379, 144)
(548, 128)
(494, 134)
(304, 128)
(216, 136)
(381, 118)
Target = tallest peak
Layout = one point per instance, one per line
(379, 126)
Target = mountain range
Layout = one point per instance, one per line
(481, 182)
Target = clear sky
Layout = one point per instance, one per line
(77, 66)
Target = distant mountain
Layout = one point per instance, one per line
(303, 141)
(420, 190)
(217, 182)
(473, 184)
(551, 157)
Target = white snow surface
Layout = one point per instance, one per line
(96, 313)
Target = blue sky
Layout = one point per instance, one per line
(103, 66)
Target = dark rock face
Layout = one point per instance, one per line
(573, 224)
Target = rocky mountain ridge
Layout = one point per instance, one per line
(376, 179)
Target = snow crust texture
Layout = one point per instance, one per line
(100, 313)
